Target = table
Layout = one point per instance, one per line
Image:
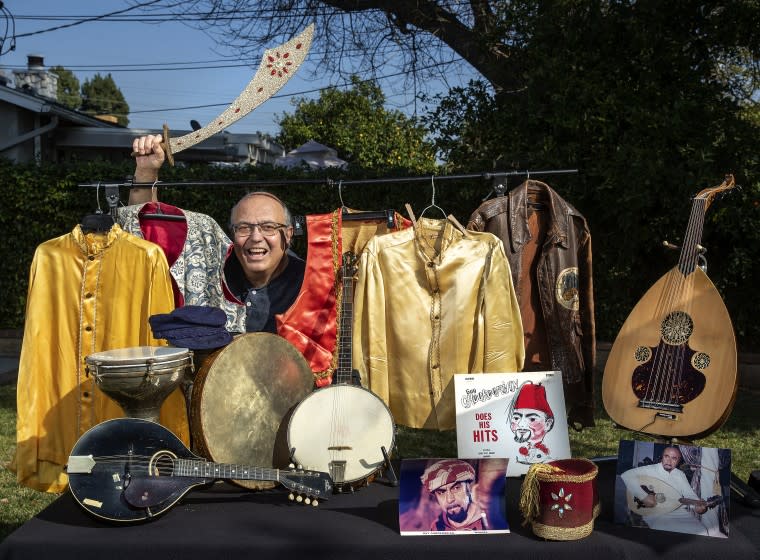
(226, 522)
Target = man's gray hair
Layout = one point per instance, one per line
(288, 215)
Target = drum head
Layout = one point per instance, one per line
(242, 399)
(139, 362)
(137, 354)
(340, 430)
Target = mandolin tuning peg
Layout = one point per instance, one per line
(299, 499)
(299, 467)
(307, 501)
(291, 496)
(315, 502)
(291, 466)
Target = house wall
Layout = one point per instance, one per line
(14, 122)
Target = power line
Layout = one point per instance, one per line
(235, 14)
(281, 96)
(10, 30)
(85, 20)
(162, 66)
(240, 15)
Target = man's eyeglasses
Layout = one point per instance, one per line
(267, 229)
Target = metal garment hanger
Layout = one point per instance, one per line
(98, 221)
(158, 214)
(537, 195)
(299, 222)
(388, 215)
(432, 201)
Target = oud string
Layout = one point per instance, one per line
(664, 353)
(685, 299)
(667, 363)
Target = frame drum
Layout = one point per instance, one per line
(242, 399)
(140, 378)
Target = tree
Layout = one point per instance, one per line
(100, 96)
(358, 126)
(68, 88)
(418, 38)
(651, 100)
(641, 98)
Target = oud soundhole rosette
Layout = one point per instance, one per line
(700, 360)
(642, 354)
(676, 328)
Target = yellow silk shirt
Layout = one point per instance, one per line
(87, 293)
(431, 301)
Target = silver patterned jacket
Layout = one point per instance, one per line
(198, 269)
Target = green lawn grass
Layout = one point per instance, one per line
(741, 434)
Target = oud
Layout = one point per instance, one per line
(130, 469)
(667, 498)
(671, 371)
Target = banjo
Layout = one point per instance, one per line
(343, 429)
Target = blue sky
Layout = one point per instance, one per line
(101, 45)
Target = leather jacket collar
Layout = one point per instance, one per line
(518, 211)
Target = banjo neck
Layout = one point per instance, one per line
(343, 372)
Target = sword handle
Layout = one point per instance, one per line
(165, 146)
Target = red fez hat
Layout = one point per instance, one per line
(559, 499)
(445, 472)
(533, 396)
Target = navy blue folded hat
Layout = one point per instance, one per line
(195, 340)
(190, 315)
(193, 326)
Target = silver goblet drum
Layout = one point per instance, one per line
(140, 378)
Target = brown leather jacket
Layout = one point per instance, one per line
(563, 280)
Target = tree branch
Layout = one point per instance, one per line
(476, 45)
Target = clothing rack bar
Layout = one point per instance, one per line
(486, 176)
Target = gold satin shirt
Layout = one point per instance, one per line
(87, 293)
(431, 301)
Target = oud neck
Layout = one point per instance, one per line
(690, 248)
(228, 471)
(345, 351)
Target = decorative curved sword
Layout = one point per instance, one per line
(277, 66)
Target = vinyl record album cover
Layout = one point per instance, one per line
(518, 416)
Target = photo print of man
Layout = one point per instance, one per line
(673, 487)
(452, 496)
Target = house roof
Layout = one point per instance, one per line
(311, 154)
(38, 104)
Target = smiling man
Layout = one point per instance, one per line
(260, 271)
(263, 273)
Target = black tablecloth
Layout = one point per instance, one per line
(226, 522)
